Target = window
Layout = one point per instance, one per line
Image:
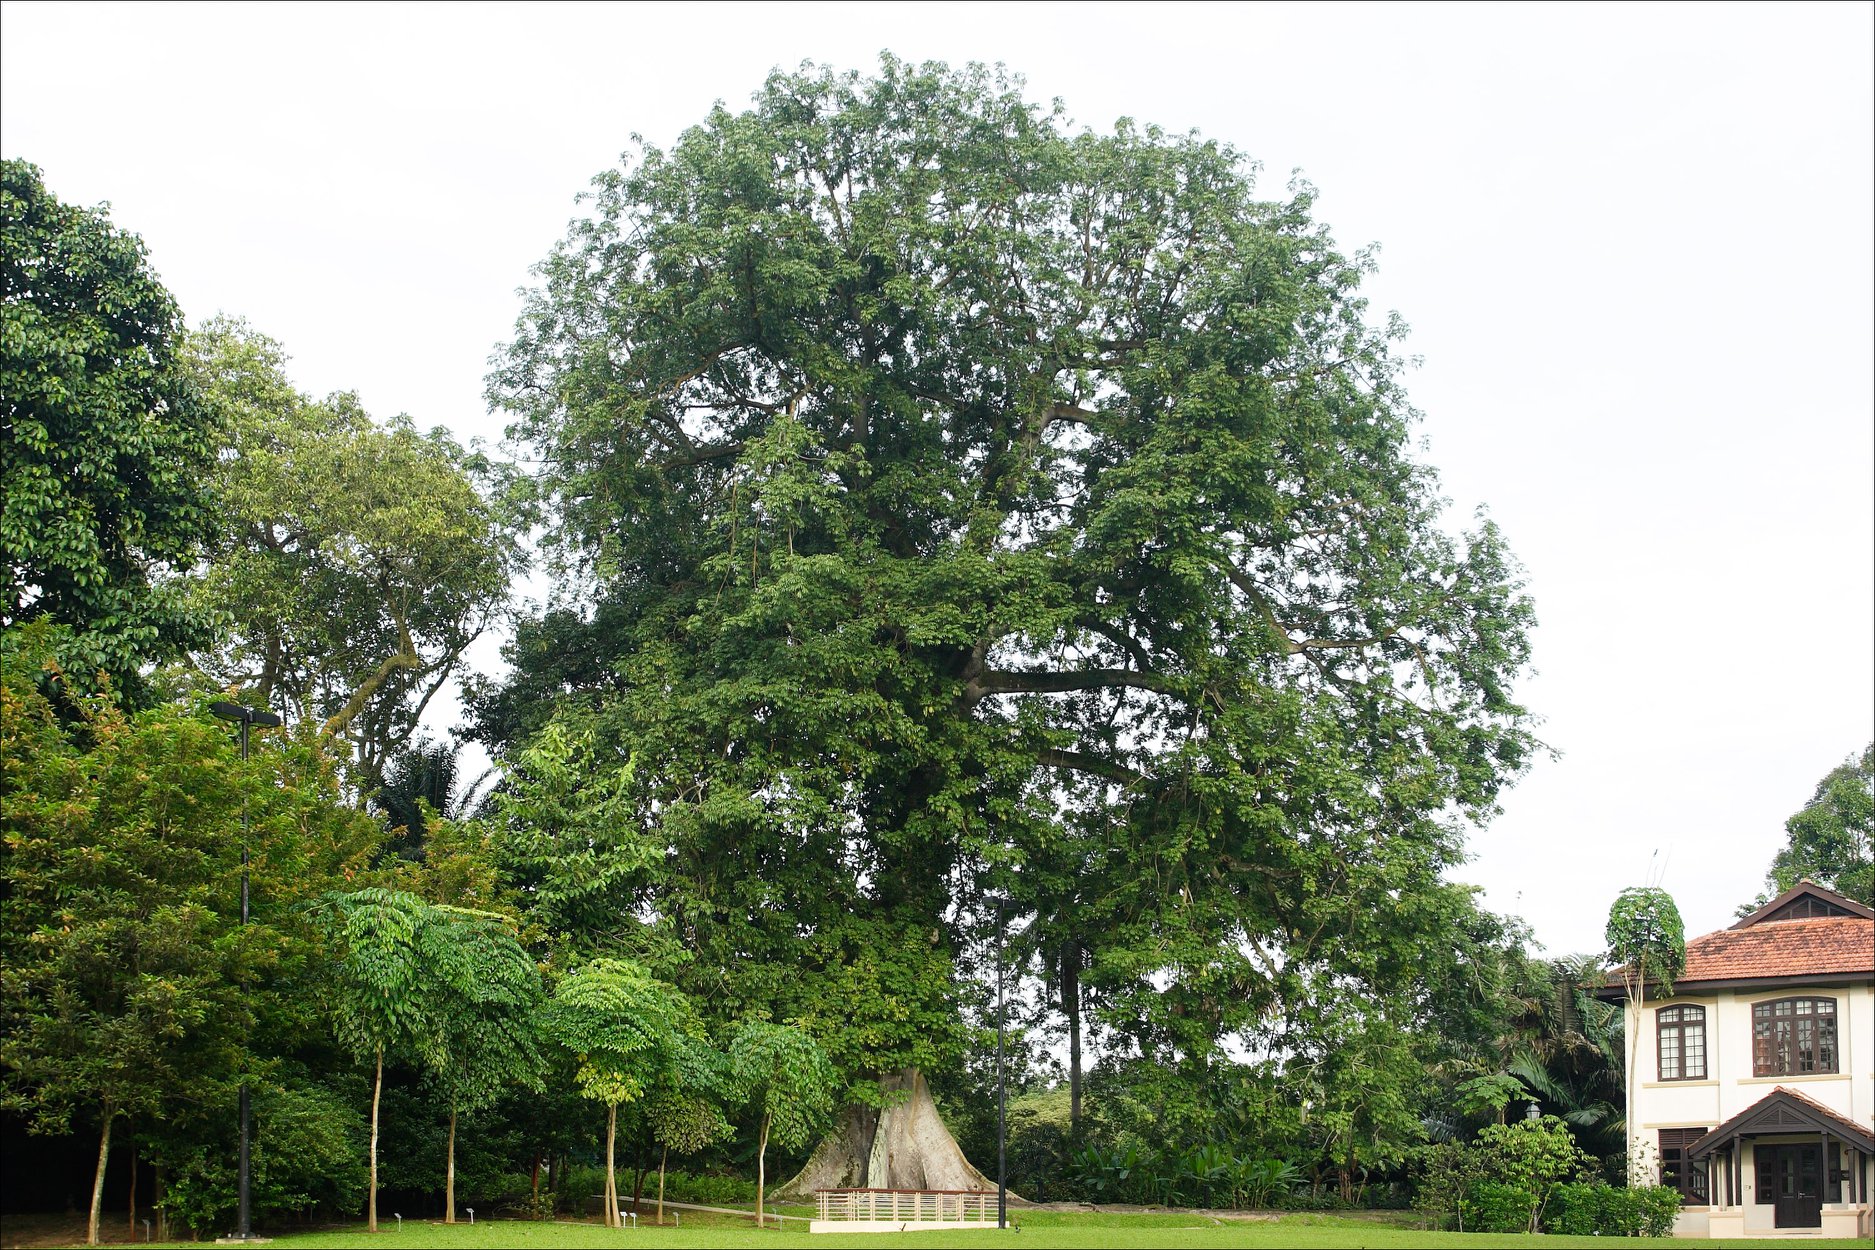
(1793, 1037)
(1682, 1043)
(1676, 1171)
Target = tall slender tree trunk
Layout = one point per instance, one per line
(1071, 1007)
(536, 1185)
(761, 1168)
(449, 1180)
(97, 1183)
(662, 1159)
(156, 1202)
(1636, 1017)
(377, 1090)
(133, 1191)
(611, 1177)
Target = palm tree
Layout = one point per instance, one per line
(421, 780)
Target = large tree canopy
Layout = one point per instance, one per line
(1832, 839)
(951, 498)
(360, 559)
(104, 446)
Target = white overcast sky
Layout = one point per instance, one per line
(1634, 245)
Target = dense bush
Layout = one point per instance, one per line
(1495, 1207)
(1603, 1210)
(308, 1155)
(1209, 1175)
(584, 1182)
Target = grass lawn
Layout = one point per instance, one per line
(1038, 1229)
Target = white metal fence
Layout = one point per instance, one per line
(909, 1206)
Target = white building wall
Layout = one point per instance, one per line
(1730, 1088)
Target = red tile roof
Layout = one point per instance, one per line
(1817, 946)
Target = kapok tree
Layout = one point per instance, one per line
(619, 1023)
(788, 1081)
(385, 1000)
(945, 494)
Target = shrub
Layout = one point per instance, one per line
(708, 1191)
(1602, 1210)
(1657, 1206)
(1494, 1207)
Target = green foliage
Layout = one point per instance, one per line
(128, 987)
(685, 1105)
(1208, 1175)
(308, 1153)
(488, 997)
(570, 837)
(1601, 1210)
(1531, 1157)
(1489, 1094)
(1497, 1207)
(1646, 937)
(360, 559)
(1449, 1172)
(786, 1076)
(385, 1004)
(106, 451)
(619, 1022)
(937, 490)
(1831, 840)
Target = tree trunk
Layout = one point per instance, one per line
(97, 1183)
(133, 1191)
(156, 1202)
(1071, 1007)
(638, 1186)
(662, 1159)
(377, 1090)
(535, 1191)
(761, 1169)
(903, 1146)
(449, 1178)
(611, 1178)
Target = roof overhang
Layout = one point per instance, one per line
(1694, 989)
(1814, 890)
(1783, 1111)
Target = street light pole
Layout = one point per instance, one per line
(244, 716)
(1002, 1088)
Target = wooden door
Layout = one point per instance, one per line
(1790, 1178)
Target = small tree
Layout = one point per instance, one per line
(489, 1002)
(685, 1107)
(1646, 942)
(1534, 1156)
(385, 995)
(1488, 1094)
(788, 1078)
(617, 1021)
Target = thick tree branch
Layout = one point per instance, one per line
(992, 682)
(1079, 762)
(406, 657)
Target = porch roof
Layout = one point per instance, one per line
(1784, 1111)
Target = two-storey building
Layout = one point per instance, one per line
(1755, 1081)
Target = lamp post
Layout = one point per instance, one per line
(1002, 1088)
(244, 716)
